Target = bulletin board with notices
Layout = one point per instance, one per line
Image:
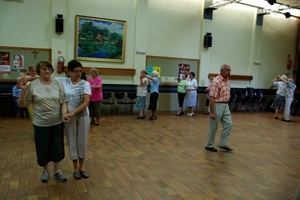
(14, 61)
(170, 69)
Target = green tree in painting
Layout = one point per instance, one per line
(101, 42)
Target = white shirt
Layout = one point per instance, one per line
(192, 84)
(75, 93)
(281, 87)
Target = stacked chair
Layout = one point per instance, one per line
(248, 99)
(121, 101)
(108, 101)
(131, 96)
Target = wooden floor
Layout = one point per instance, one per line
(163, 159)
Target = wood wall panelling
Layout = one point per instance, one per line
(108, 71)
(235, 77)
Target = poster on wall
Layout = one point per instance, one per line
(19, 61)
(150, 69)
(183, 69)
(4, 64)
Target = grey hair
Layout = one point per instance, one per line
(155, 73)
(284, 77)
(223, 66)
(291, 80)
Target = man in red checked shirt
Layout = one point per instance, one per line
(219, 110)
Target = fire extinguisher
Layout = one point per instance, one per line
(289, 62)
(60, 64)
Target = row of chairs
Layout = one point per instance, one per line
(295, 107)
(118, 101)
(248, 100)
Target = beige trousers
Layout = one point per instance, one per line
(77, 136)
(223, 115)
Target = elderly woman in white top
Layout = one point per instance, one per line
(279, 101)
(141, 93)
(191, 95)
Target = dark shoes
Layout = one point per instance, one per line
(141, 117)
(84, 174)
(206, 113)
(153, 118)
(179, 113)
(276, 117)
(81, 174)
(97, 123)
(211, 149)
(225, 148)
(77, 175)
(286, 120)
(92, 122)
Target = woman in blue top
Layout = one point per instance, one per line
(154, 92)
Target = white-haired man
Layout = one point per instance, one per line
(219, 110)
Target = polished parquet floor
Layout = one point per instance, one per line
(162, 159)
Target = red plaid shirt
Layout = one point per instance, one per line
(220, 89)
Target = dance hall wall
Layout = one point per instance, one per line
(170, 28)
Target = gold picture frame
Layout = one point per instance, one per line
(100, 39)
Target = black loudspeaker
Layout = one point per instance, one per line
(207, 40)
(59, 24)
(287, 15)
(271, 2)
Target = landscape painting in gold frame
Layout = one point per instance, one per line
(100, 39)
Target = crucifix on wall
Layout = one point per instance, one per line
(35, 52)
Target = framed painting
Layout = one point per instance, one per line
(99, 39)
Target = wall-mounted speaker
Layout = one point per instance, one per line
(59, 24)
(207, 40)
(271, 2)
(287, 15)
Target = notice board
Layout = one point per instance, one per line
(170, 67)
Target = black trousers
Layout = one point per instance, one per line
(153, 101)
(181, 98)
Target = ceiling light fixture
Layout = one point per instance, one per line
(222, 3)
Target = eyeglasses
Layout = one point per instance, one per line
(77, 71)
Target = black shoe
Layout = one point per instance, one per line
(226, 148)
(84, 174)
(286, 120)
(77, 175)
(153, 118)
(141, 117)
(177, 114)
(92, 122)
(276, 117)
(211, 149)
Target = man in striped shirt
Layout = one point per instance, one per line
(219, 110)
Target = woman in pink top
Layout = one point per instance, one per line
(96, 97)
